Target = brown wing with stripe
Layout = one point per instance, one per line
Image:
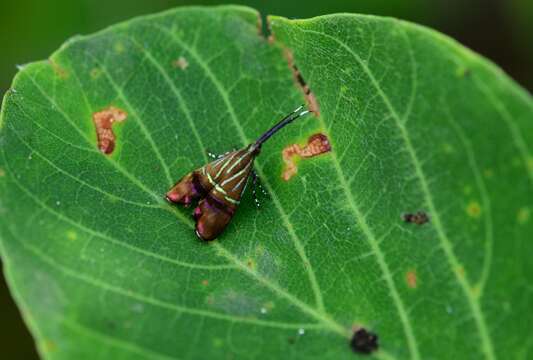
(219, 186)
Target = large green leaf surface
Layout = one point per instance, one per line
(102, 267)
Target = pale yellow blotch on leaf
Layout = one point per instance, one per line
(473, 209)
(530, 164)
(460, 271)
(2, 173)
(71, 235)
(476, 290)
(119, 47)
(523, 215)
(48, 345)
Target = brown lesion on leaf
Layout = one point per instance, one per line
(364, 341)
(316, 144)
(60, 71)
(411, 279)
(473, 209)
(103, 122)
(310, 97)
(419, 217)
(250, 263)
(95, 73)
(181, 63)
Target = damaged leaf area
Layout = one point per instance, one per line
(316, 144)
(103, 122)
(102, 266)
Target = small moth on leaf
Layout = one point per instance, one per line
(220, 184)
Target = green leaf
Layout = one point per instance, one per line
(102, 267)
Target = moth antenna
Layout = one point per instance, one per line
(282, 123)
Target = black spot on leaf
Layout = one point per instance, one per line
(419, 218)
(302, 84)
(364, 342)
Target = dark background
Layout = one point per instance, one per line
(30, 30)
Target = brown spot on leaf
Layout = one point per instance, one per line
(411, 278)
(419, 218)
(473, 209)
(58, 69)
(311, 100)
(103, 122)
(205, 282)
(251, 263)
(364, 342)
(181, 63)
(95, 73)
(316, 144)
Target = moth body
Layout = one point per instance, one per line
(219, 185)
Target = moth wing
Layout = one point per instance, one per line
(196, 184)
(212, 217)
(189, 188)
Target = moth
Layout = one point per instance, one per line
(219, 185)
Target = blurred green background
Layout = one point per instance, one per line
(30, 30)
